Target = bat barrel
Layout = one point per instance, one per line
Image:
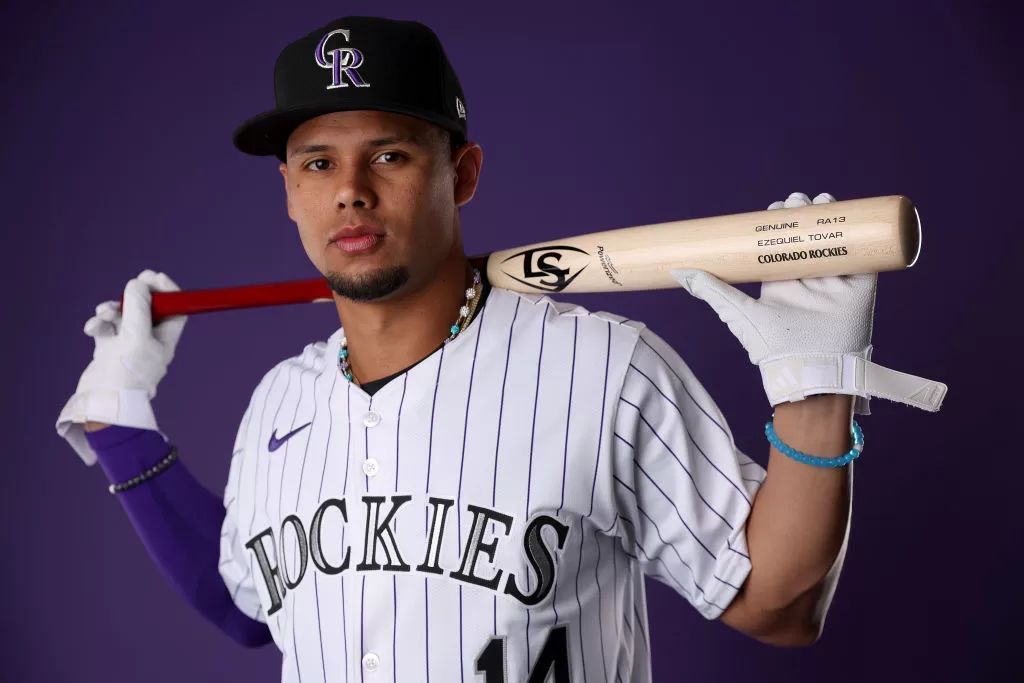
(870, 235)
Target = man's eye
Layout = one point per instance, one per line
(319, 164)
(389, 157)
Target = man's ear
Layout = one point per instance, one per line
(468, 160)
(284, 174)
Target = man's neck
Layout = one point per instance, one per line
(387, 337)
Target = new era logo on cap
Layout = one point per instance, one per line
(460, 108)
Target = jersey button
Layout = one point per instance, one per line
(371, 419)
(371, 661)
(371, 467)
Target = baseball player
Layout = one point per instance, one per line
(463, 483)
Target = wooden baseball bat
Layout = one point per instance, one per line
(872, 235)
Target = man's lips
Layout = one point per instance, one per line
(354, 239)
(358, 243)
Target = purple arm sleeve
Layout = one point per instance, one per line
(179, 522)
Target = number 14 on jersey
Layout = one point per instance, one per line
(553, 657)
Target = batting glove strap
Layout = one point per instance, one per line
(123, 407)
(795, 377)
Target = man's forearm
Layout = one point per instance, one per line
(798, 523)
(179, 521)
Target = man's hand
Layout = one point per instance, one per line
(131, 353)
(811, 336)
(131, 356)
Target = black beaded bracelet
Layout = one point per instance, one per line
(148, 474)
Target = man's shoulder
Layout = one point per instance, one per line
(545, 309)
(628, 339)
(312, 359)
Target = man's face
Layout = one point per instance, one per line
(374, 198)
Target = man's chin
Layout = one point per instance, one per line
(374, 285)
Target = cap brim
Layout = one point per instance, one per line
(267, 134)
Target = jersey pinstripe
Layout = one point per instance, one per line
(490, 514)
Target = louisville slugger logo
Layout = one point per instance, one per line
(541, 268)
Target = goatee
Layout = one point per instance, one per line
(368, 286)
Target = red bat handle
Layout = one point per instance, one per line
(187, 302)
(167, 304)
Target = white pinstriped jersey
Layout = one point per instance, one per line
(490, 514)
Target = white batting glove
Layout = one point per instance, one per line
(130, 359)
(811, 336)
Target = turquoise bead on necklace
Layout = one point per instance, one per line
(465, 311)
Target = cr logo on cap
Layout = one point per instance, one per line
(342, 61)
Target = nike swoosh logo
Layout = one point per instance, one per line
(275, 442)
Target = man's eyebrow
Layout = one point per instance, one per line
(397, 139)
(379, 142)
(307, 149)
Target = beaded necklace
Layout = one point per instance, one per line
(466, 312)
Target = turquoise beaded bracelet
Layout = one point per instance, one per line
(848, 457)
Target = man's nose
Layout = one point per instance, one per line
(355, 189)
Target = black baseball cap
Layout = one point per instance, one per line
(358, 63)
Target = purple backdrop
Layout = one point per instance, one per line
(119, 158)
